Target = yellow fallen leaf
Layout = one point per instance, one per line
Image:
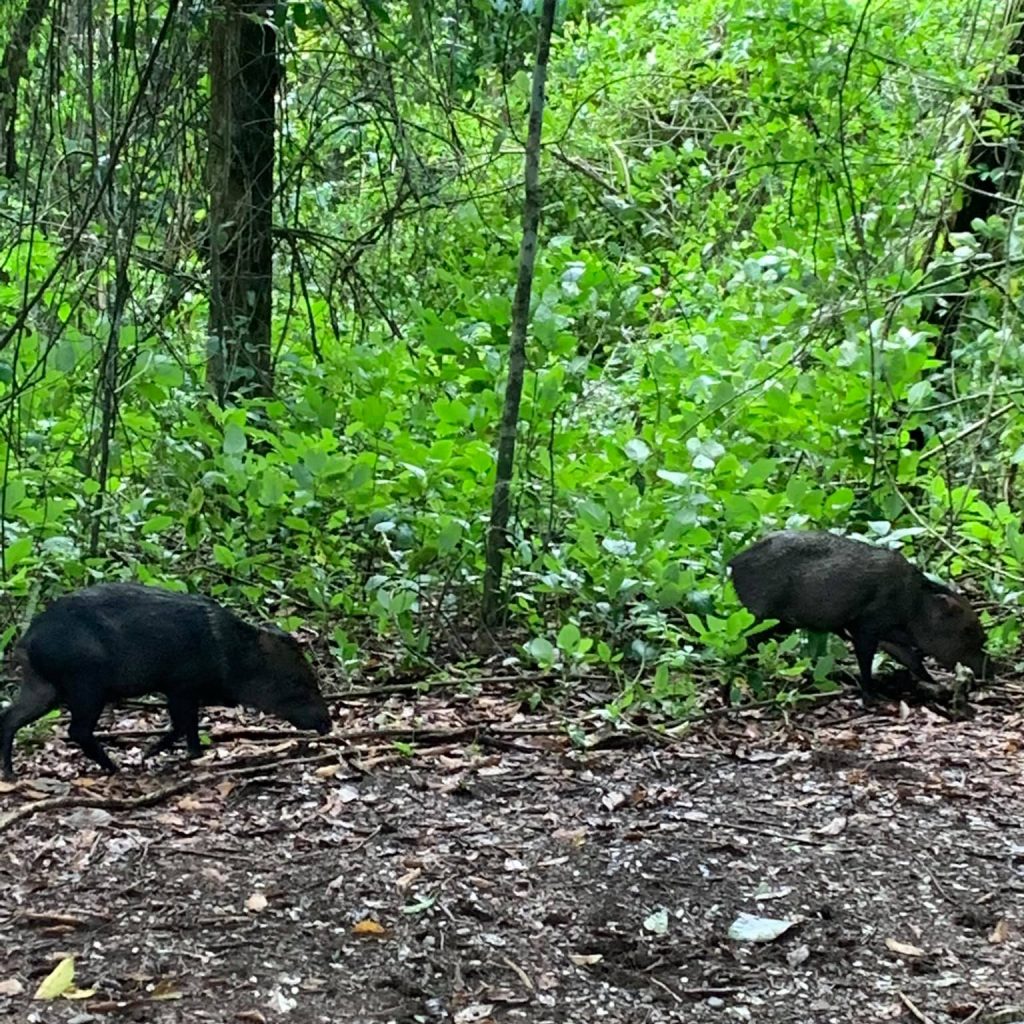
(369, 927)
(165, 989)
(257, 902)
(58, 981)
(78, 993)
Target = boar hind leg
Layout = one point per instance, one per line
(35, 699)
(86, 706)
(184, 712)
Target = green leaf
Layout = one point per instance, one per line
(224, 556)
(235, 441)
(16, 552)
(273, 486)
(637, 450)
(594, 515)
(372, 411)
(449, 537)
(671, 477)
(13, 496)
(541, 650)
(157, 524)
(568, 637)
(420, 906)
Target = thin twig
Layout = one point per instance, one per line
(914, 1011)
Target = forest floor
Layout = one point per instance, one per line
(492, 870)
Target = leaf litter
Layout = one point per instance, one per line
(435, 875)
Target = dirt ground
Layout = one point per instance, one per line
(489, 868)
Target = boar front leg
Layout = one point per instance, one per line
(865, 643)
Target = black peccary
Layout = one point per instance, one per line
(872, 596)
(115, 640)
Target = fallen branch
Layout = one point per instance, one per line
(56, 803)
(41, 919)
(914, 1011)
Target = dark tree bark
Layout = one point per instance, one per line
(993, 176)
(243, 86)
(493, 606)
(15, 68)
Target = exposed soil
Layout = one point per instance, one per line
(516, 877)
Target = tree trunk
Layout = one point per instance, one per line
(493, 606)
(993, 176)
(15, 68)
(243, 86)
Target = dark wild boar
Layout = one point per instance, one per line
(872, 596)
(115, 640)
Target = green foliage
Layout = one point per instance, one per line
(731, 331)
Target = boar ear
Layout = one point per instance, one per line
(950, 604)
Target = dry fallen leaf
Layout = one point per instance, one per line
(407, 879)
(765, 893)
(613, 800)
(657, 922)
(256, 902)
(585, 959)
(573, 836)
(280, 1003)
(11, 987)
(904, 948)
(165, 990)
(751, 928)
(369, 927)
(834, 827)
(1000, 933)
(473, 1013)
(795, 957)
